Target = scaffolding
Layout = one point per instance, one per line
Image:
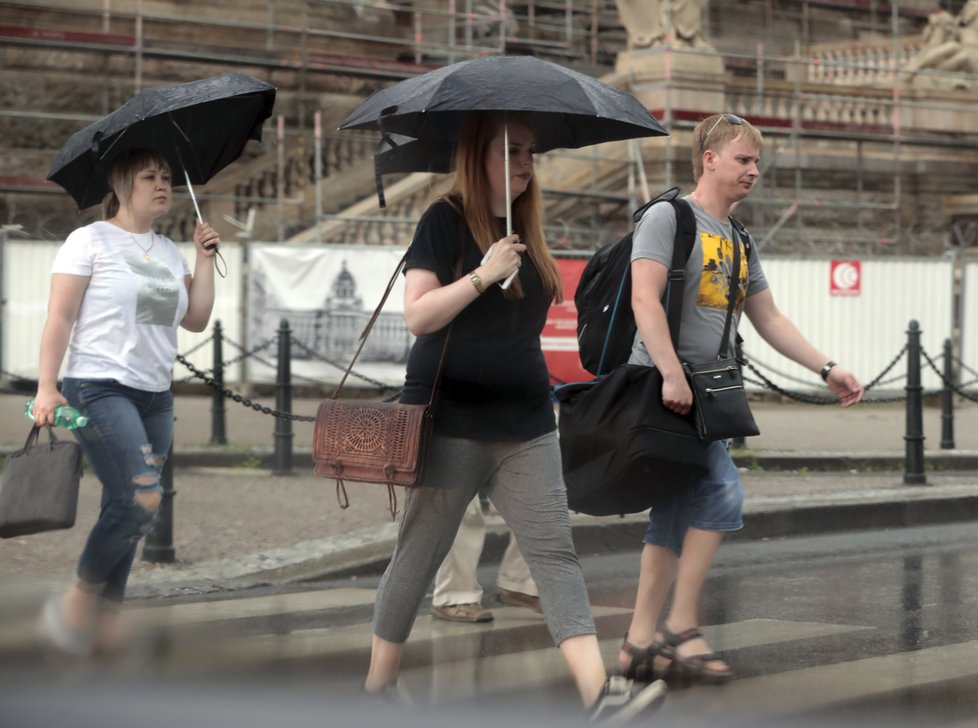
(818, 106)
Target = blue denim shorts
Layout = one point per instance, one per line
(713, 502)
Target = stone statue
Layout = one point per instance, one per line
(645, 21)
(951, 45)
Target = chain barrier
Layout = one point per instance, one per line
(383, 386)
(270, 365)
(813, 399)
(799, 380)
(245, 354)
(199, 345)
(949, 385)
(238, 398)
(15, 378)
(784, 375)
(965, 367)
(797, 396)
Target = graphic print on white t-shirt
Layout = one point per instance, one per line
(157, 291)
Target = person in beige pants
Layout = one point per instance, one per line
(458, 594)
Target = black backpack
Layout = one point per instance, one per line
(605, 322)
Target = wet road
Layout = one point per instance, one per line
(872, 628)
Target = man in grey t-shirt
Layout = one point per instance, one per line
(685, 533)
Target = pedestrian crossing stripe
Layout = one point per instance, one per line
(519, 671)
(769, 697)
(459, 672)
(256, 607)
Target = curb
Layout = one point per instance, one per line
(942, 460)
(261, 458)
(367, 552)
(594, 535)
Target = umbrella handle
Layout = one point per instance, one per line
(190, 188)
(509, 203)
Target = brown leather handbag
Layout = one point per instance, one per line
(374, 442)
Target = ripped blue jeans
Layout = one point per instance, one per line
(126, 442)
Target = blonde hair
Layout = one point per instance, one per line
(718, 132)
(471, 184)
(121, 173)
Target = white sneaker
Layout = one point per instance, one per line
(622, 701)
(394, 694)
(67, 639)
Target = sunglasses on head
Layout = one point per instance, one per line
(729, 118)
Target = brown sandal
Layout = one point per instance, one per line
(694, 665)
(641, 667)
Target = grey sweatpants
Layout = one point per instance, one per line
(524, 482)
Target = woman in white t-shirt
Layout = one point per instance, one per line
(118, 293)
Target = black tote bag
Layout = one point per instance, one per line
(39, 486)
(622, 450)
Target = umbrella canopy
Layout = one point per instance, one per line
(400, 154)
(199, 127)
(567, 109)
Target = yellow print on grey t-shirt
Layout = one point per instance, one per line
(717, 265)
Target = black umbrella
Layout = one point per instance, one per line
(400, 154)
(199, 127)
(396, 153)
(567, 109)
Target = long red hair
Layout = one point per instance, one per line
(471, 184)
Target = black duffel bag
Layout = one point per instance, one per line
(622, 450)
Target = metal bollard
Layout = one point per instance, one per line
(159, 541)
(283, 403)
(913, 468)
(947, 399)
(218, 431)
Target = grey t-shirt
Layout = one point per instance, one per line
(707, 279)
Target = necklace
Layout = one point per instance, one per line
(152, 242)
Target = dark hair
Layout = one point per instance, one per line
(121, 173)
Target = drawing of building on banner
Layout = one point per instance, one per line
(331, 330)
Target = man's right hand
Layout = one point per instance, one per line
(676, 394)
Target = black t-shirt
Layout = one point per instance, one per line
(495, 384)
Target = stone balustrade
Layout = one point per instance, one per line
(873, 62)
(819, 106)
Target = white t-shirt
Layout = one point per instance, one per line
(136, 297)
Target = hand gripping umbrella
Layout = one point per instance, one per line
(199, 127)
(567, 109)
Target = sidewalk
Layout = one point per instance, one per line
(237, 525)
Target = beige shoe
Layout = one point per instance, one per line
(518, 599)
(471, 613)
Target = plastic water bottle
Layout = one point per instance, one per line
(64, 416)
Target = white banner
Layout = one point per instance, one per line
(327, 294)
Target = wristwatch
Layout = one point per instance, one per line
(826, 369)
(477, 282)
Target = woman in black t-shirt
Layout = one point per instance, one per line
(494, 427)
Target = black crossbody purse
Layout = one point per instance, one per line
(719, 398)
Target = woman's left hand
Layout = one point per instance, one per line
(206, 239)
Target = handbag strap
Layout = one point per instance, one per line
(383, 299)
(733, 288)
(33, 436)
